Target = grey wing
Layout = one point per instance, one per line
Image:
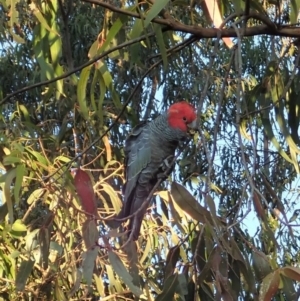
(137, 158)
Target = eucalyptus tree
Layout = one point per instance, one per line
(76, 76)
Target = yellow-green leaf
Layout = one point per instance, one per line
(35, 195)
(20, 172)
(81, 91)
(155, 10)
(18, 226)
(120, 269)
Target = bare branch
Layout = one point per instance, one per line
(268, 28)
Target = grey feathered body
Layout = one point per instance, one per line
(146, 148)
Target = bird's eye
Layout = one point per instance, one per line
(184, 118)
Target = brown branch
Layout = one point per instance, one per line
(268, 28)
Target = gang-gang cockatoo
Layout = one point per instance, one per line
(147, 149)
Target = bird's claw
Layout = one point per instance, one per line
(167, 163)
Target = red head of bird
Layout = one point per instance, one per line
(182, 115)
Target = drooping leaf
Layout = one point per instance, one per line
(291, 272)
(23, 274)
(85, 191)
(188, 204)
(172, 258)
(7, 199)
(161, 45)
(269, 286)
(81, 91)
(77, 283)
(88, 264)
(18, 226)
(288, 288)
(114, 29)
(58, 292)
(294, 12)
(261, 264)
(37, 13)
(90, 233)
(120, 269)
(155, 10)
(35, 195)
(170, 287)
(20, 173)
(44, 241)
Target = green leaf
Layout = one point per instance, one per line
(34, 9)
(182, 288)
(120, 269)
(113, 197)
(8, 160)
(25, 113)
(41, 47)
(18, 226)
(55, 50)
(155, 10)
(239, 6)
(137, 29)
(261, 265)
(13, 19)
(294, 11)
(115, 28)
(102, 88)
(88, 264)
(90, 233)
(35, 195)
(255, 4)
(77, 283)
(288, 288)
(38, 156)
(9, 177)
(161, 45)
(146, 251)
(58, 292)
(102, 67)
(170, 287)
(172, 258)
(20, 173)
(189, 205)
(81, 91)
(44, 242)
(269, 131)
(23, 274)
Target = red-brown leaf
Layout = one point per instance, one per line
(85, 192)
(269, 286)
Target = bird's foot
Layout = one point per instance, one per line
(166, 166)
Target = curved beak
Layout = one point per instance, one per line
(193, 125)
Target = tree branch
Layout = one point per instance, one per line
(268, 28)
